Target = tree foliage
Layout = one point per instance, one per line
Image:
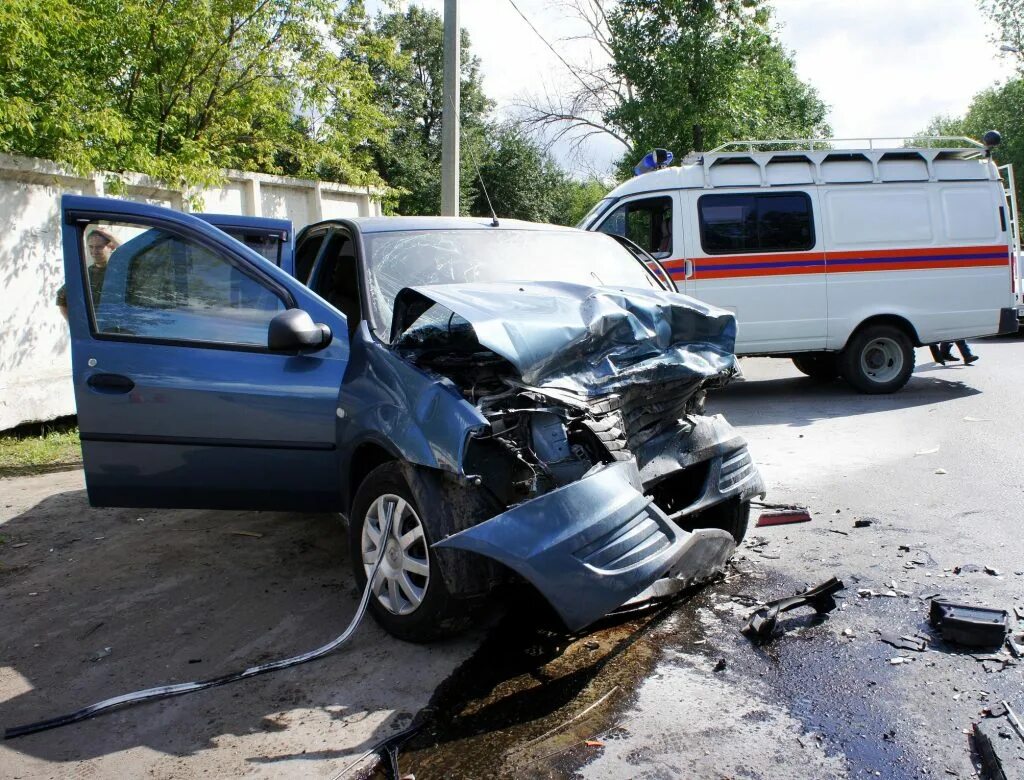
(181, 88)
(683, 74)
(410, 90)
(1001, 108)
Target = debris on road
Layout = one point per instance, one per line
(968, 625)
(941, 471)
(917, 643)
(1015, 647)
(931, 451)
(761, 625)
(864, 522)
(1000, 742)
(253, 534)
(783, 517)
(100, 654)
(993, 572)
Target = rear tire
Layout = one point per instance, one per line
(409, 599)
(822, 366)
(732, 516)
(878, 359)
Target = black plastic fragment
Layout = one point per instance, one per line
(1000, 744)
(761, 625)
(968, 625)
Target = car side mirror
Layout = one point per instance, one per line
(293, 330)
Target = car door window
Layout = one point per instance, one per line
(647, 223)
(157, 284)
(336, 279)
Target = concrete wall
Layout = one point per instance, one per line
(35, 361)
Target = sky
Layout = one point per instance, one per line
(884, 67)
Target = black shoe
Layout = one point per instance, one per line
(951, 358)
(970, 359)
(941, 361)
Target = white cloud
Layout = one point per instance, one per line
(885, 67)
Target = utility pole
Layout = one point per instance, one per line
(450, 112)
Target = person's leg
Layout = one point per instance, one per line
(937, 354)
(965, 352)
(946, 347)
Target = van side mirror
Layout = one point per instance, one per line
(293, 330)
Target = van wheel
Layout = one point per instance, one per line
(408, 597)
(823, 366)
(878, 359)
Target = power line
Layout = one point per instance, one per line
(572, 70)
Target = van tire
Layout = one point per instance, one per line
(822, 366)
(878, 359)
(439, 614)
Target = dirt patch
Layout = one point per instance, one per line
(100, 602)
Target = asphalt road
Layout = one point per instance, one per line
(180, 595)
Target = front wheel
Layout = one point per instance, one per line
(878, 359)
(408, 595)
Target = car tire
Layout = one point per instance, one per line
(878, 359)
(821, 366)
(732, 516)
(410, 599)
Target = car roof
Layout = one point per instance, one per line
(400, 224)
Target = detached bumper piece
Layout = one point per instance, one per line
(971, 626)
(590, 546)
(761, 625)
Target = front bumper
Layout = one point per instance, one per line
(593, 545)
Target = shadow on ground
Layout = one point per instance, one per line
(799, 400)
(96, 603)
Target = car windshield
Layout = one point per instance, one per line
(419, 257)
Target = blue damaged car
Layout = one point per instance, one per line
(523, 402)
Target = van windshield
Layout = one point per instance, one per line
(420, 257)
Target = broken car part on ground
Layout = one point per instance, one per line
(524, 402)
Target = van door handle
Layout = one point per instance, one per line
(687, 268)
(110, 383)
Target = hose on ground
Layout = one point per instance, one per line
(179, 689)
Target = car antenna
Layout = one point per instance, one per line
(476, 165)
(494, 217)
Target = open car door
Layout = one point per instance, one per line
(271, 237)
(183, 399)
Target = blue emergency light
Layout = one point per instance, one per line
(658, 158)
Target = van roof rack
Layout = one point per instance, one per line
(880, 143)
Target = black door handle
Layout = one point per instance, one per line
(110, 383)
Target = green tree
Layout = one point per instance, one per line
(181, 88)
(997, 108)
(525, 182)
(683, 74)
(409, 88)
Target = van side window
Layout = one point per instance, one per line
(647, 223)
(769, 222)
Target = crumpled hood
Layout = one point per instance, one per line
(588, 340)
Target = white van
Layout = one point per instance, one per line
(843, 259)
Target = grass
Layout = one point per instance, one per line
(40, 447)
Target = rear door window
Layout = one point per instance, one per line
(747, 223)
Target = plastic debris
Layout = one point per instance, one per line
(941, 471)
(761, 625)
(863, 522)
(969, 625)
(916, 643)
(1000, 742)
(784, 517)
(931, 451)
